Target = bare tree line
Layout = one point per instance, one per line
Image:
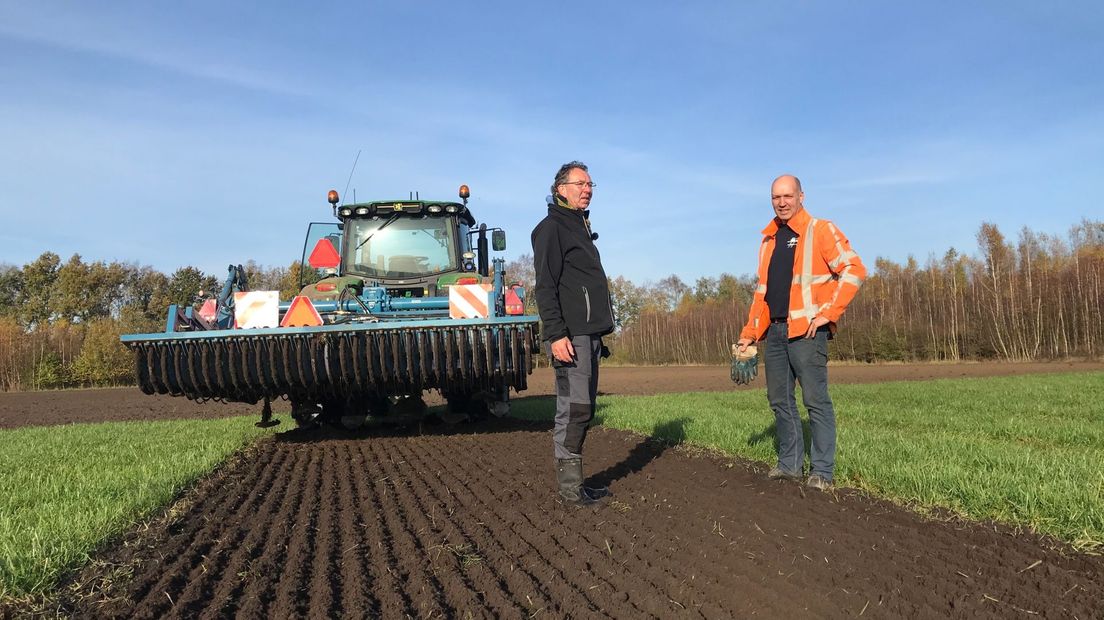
(1038, 297)
(60, 322)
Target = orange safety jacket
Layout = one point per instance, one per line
(827, 273)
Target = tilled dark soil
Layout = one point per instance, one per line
(463, 521)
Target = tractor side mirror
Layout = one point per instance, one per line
(498, 240)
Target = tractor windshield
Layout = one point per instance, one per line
(401, 246)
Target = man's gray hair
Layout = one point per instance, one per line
(561, 176)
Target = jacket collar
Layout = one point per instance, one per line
(797, 224)
(562, 209)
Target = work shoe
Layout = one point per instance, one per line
(569, 474)
(818, 482)
(777, 473)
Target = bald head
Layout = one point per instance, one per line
(787, 197)
(788, 177)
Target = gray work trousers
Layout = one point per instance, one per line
(576, 388)
(806, 360)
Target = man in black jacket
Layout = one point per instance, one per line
(573, 299)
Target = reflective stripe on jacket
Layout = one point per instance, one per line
(827, 274)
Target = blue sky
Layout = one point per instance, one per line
(206, 133)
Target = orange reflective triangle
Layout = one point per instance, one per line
(324, 255)
(301, 313)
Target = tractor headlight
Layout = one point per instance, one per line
(345, 211)
(452, 209)
(362, 211)
(434, 208)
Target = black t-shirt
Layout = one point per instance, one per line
(780, 272)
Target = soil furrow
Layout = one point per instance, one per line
(252, 528)
(260, 592)
(559, 558)
(456, 555)
(326, 577)
(195, 561)
(388, 586)
(421, 584)
(470, 545)
(575, 524)
(475, 495)
(449, 556)
(357, 597)
(292, 594)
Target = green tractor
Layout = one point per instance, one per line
(400, 297)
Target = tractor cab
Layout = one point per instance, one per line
(410, 248)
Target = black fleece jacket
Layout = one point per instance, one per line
(571, 288)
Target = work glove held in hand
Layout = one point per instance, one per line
(745, 365)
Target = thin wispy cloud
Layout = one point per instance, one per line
(124, 44)
(157, 132)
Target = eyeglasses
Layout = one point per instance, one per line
(589, 184)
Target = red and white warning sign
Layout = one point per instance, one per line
(256, 309)
(470, 301)
(301, 313)
(208, 311)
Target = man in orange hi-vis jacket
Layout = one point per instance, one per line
(808, 273)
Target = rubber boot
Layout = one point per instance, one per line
(569, 473)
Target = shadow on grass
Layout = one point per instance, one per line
(770, 433)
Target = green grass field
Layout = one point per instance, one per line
(1024, 450)
(65, 489)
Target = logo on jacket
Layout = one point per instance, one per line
(792, 243)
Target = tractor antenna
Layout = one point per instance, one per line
(351, 175)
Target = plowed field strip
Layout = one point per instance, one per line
(565, 556)
(726, 554)
(412, 555)
(698, 566)
(446, 569)
(452, 524)
(326, 577)
(586, 546)
(471, 489)
(253, 529)
(357, 598)
(502, 588)
(260, 590)
(382, 565)
(292, 595)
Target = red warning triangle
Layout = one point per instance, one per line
(208, 310)
(324, 255)
(301, 313)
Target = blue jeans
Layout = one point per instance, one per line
(806, 360)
